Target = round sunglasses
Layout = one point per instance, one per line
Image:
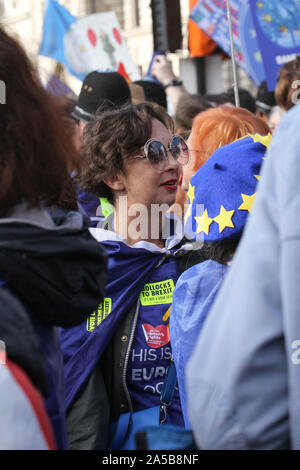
(157, 154)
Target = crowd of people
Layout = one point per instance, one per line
(140, 249)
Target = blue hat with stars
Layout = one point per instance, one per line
(222, 192)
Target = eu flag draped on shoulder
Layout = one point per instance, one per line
(129, 269)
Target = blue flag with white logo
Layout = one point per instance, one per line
(57, 23)
(211, 17)
(277, 26)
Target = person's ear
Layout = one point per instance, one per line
(116, 183)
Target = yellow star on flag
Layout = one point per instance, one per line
(203, 222)
(257, 177)
(191, 196)
(191, 193)
(263, 139)
(167, 314)
(224, 219)
(258, 56)
(188, 214)
(247, 202)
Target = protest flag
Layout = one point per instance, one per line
(83, 45)
(57, 22)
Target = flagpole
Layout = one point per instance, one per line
(234, 69)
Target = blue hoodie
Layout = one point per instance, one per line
(193, 296)
(245, 395)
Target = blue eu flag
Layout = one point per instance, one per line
(57, 23)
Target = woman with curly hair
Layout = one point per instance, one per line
(116, 363)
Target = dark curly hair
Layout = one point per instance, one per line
(36, 152)
(115, 134)
(220, 251)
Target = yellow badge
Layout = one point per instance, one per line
(157, 293)
(99, 315)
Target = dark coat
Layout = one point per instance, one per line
(58, 273)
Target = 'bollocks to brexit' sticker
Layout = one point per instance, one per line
(157, 293)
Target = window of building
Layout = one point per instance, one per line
(2, 8)
(137, 16)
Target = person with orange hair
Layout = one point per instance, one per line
(214, 128)
(221, 195)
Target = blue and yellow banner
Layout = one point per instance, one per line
(277, 24)
(211, 17)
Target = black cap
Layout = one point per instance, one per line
(98, 87)
(265, 99)
(247, 101)
(154, 92)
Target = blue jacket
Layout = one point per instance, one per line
(193, 297)
(245, 395)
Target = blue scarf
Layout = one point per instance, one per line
(129, 269)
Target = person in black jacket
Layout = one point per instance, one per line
(51, 264)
